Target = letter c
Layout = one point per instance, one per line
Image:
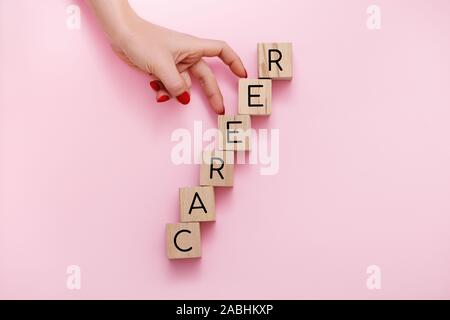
(175, 240)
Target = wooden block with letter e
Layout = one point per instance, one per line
(275, 60)
(183, 240)
(217, 168)
(197, 204)
(255, 97)
(235, 132)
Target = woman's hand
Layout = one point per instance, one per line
(168, 56)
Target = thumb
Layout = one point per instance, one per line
(173, 81)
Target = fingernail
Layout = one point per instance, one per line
(155, 85)
(222, 112)
(184, 98)
(163, 98)
(246, 74)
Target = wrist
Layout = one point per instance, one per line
(124, 24)
(117, 18)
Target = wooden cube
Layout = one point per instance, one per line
(183, 240)
(255, 97)
(197, 204)
(234, 132)
(275, 60)
(216, 168)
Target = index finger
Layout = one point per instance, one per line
(216, 48)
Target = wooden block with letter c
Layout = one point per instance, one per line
(183, 240)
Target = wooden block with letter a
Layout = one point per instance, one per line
(197, 204)
(235, 132)
(255, 97)
(275, 60)
(183, 240)
(217, 168)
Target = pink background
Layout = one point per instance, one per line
(87, 178)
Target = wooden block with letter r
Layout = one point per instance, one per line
(183, 240)
(197, 204)
(275, 60)
(235, 132)
(217, 168)
(255, 97)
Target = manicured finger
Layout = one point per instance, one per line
(213, 48)
(162, 96)
(156, 85)
(173, 81)
(208, 82)
(161, 93)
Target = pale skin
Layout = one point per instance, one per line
(169, 57)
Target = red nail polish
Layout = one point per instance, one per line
(246, 74)
(155, 85)
(163, 98)
(222, 112)
(184, 98)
